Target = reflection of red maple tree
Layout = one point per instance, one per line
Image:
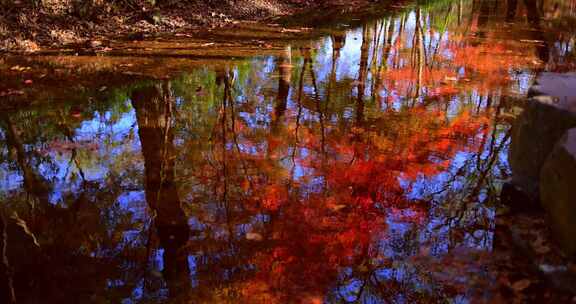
(355, 176)
(323, 230)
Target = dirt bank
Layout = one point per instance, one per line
(30, 25)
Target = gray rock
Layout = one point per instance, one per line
(561, 87)
(547, 115)
(534, 134)
(558, 191)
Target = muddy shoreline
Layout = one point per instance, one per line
(25, 27)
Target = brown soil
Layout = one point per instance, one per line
(30, 25)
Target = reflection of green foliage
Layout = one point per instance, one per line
(442, 17)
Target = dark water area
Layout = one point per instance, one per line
(364, 166)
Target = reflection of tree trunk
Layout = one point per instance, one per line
(301, 90)
(534, 17)
(533, 14)
(308, 61)
(154, 113)
(460, 5)
(33, 182)
(388, 44)
(284, 64)
(483, 17)
(379, 30)
(512, 5)
(226, 101)
(362, 74)
(338, 40)
(419, 53)
(396, 59)
(386, 50)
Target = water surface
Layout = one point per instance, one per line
(362, 165)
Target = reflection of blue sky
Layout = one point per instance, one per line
(134, 202)
(100, 139)
(103, 140)
(9, 179)
(349, 61)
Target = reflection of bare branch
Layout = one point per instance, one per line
(70, 136)
(318, 107)
(298, 117)
(7, 293)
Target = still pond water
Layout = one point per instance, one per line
(363, 165)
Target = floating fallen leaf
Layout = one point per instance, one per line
(156, 273)
(540, 247)
(11, 92)
(444, 90)
(547, 268)
(285, 30)
(425, 251)
(337, 208)
(104, 49)
(95, 43)
(132, 73)
(245, 184)
(362, 268)
(521, 285)
(76, 113)
(19, 68)
(252, 236)
(532, 41)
